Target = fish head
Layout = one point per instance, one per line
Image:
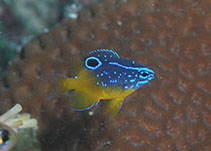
(111, 70)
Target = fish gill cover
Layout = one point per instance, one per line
(171, 113)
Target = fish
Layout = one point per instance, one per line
(101, 75)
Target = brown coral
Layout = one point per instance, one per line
(173, 112)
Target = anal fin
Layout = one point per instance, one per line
(81, 101)
(114, 106)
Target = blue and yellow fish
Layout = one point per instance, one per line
(102, 75)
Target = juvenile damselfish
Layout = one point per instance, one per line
(102, 75)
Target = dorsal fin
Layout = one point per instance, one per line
(104, 52)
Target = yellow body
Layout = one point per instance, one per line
(87, 92)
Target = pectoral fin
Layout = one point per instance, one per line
(76, 66)
(114, 106)
(81, 101)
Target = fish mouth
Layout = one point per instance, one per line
(150, 77)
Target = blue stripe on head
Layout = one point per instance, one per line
(133, 80)
(139, 83)
(147, 69)
(135, 74)
(130, 68)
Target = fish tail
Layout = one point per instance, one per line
(59, 84)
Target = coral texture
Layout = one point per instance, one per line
(172, 113)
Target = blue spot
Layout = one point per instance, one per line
(109, 77)
(131, 86)
(124, 73)
(114, 72)
(126, 87)
(105, 56)
(101, 74)
(97, 75)
(136, 75)
(98, 83)
(104, 84)
(76, 77)
(90, 67)
(129, 76)
(105, 60)
(105, 72)
(133, 62)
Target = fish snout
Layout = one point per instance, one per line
(151, 76)
(146, 74)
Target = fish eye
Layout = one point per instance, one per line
(144, 74)
(92, 63)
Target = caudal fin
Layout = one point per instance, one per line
(56, 83)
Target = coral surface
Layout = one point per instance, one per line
(172, 113)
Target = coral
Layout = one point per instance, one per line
(21, 21)
(171, 113)
(15, 126)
